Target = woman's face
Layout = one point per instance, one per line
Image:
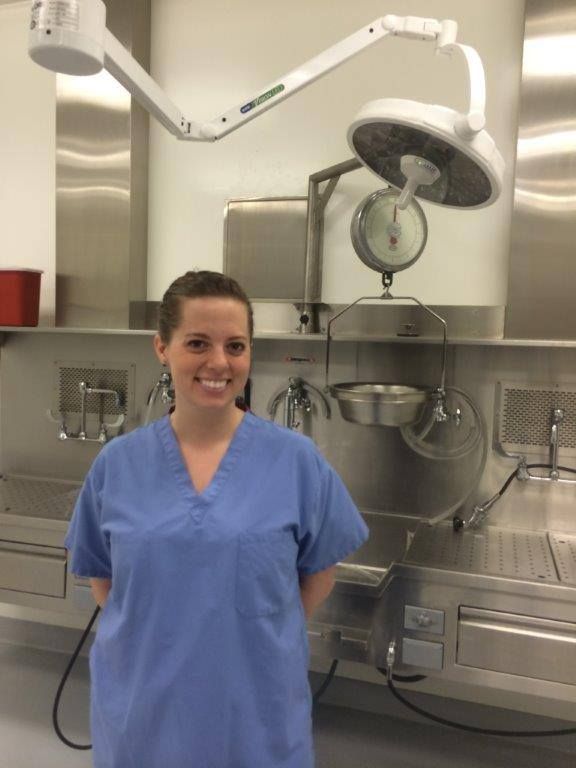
(208, 353)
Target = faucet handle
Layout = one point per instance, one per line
(320, 396)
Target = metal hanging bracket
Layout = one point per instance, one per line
(387, 278)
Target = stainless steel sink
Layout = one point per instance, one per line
(342, 626)
(390, 537)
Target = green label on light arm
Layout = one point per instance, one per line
(261, 99)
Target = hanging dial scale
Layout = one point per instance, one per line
(386, 237)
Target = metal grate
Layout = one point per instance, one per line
(98, 375)
(564, 551)
(492, 552)
(525, 417)
(37, 498)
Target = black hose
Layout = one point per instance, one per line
(326, 682)
(409, 678)
(459, 523)
(332, 671)
(63, 683)
(463, 726)
(514, 475)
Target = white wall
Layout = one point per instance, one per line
(27, 156)
(209, 56)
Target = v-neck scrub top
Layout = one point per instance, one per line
(200, 658)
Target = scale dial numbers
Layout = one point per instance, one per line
(386, 238)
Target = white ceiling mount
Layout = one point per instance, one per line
(70, 36)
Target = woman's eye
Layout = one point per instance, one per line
(196, 344)
(237, 347)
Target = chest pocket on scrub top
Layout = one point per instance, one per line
(267, 579)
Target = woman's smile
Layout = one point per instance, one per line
(215, 385)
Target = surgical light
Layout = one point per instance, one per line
(426, 150)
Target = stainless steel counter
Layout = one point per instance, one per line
(539, 556)
(486, 615)
(490, 613)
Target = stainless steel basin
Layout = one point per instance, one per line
(390, 536)
(342, 625)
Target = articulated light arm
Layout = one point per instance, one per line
(294, 81)
(70, 36)
(445, 33)
(468, 125)
(124, 68)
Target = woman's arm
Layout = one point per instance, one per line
(100, 589)
(315, 588)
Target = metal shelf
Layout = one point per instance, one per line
(291, 336)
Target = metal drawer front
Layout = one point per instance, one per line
(543, 649)
(34, 569)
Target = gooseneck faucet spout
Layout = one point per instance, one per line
(557, 418)
(297, 397)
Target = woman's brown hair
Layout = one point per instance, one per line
(198, 285)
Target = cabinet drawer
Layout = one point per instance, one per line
(34, 569)
(529, 646)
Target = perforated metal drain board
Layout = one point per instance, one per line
(37, 498)
(564, 551)
(492, 551)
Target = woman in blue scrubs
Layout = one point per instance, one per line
(209, 537)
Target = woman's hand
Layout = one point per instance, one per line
(100, 589)
(315, 588)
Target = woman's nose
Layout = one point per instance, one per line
(218, 357)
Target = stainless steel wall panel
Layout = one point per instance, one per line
(542, 281)
(265, 247)
(102, 188)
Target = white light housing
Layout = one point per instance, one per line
(68, 35)
(471, 170)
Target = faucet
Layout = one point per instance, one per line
(85, 390)
(480, 512)
(163, 387)
(557, 419)
(523, 473)
(297, 397)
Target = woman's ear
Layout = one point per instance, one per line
(160, 349)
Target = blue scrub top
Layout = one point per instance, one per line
(201, 657)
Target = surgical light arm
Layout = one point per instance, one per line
(70, 36)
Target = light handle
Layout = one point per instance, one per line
(468, 125)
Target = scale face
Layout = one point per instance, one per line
(386, 238)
